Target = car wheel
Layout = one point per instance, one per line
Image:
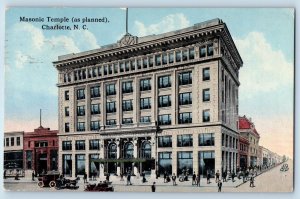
(52, 184)
(40, 184)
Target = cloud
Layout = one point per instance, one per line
(85, 39)
(265, 69)
(168, 23)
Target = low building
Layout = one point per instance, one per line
(248, 131)
(40, 150)
(243, 152)
(13, 150)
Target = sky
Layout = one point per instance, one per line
(264, 38)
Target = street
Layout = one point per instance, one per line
(272, 180)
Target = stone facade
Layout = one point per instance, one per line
(13, 150)
(167, 103)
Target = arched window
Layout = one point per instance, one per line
(128, 150)
(112, 151)
(146, 150)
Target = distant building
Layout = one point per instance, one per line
(243, 152)
(40, 150)
(13, 150)
(159, 103)
(248, 131)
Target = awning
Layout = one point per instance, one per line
(135, 160)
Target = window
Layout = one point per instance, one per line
(165, 162)
(111, 122)
(207, 139)
(145, 62)
(206, 95)
(18, 141)
(206, 116)
(127, 105)
(210, 50)
(164, 59)
(80, 164)
(110, 89)
(67, 127)
(66, 145)
(165, 141)
(132, 64)
(191, 53)
(185, 118)
(178, 56)
(95, 91)
(184, 55)
(110, 107)
(184, 161)
(94, 72)
(12, 141)
(128, 150)
(99, 71)
(67, 112)
(67, 95)
(185, 98)
(127, 66)
(122, 67)
(41, 144)
(146, 150)
(157, 60)
(80, 94)
(80, 144)
(7, 142)
(80, 126)
(145, 84)
(184, 140)
(171, 57)
(80, 110)
(164, 119)
(116, 68)
(223, 140)
(139, 63)
(164, 101)
(145, 103)
(95, 109)
(206, 74)
(164, 81)
(95, 125)
(127, 87)
(112, 151)
(94, 145)
(185, 78)
(145, 119)
(127, 120)
(151, 61)
(105, 70)
(202, 51)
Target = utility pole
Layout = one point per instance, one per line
(40, 117)
(126, 21)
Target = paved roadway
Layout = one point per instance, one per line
(271, 181)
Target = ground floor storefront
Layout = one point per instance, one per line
(181, 151)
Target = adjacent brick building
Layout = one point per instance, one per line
(40, 150)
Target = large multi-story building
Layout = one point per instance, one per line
(166, 102)
(248, 131)
(40, 150)
(243, 152)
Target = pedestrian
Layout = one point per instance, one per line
(144, 178)
(107, 177)
(84, 177)
(129, 178)
(198, 180)
(225, 175)
(153, 187)
(122, 175)
(232, 176)
(219, 186)
(208, 176)
(217, 176)
(165, 177)
(174, 179)
(32, 175)
(194, 179)
(251, 181)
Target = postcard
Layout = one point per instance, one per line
(149, 99)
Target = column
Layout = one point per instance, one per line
(135, 154)
(154, 155)
(173, 98)
(101, 156)
(118, 156)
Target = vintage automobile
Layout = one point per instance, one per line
(48, 179)
(101, 187)
(55, 180)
